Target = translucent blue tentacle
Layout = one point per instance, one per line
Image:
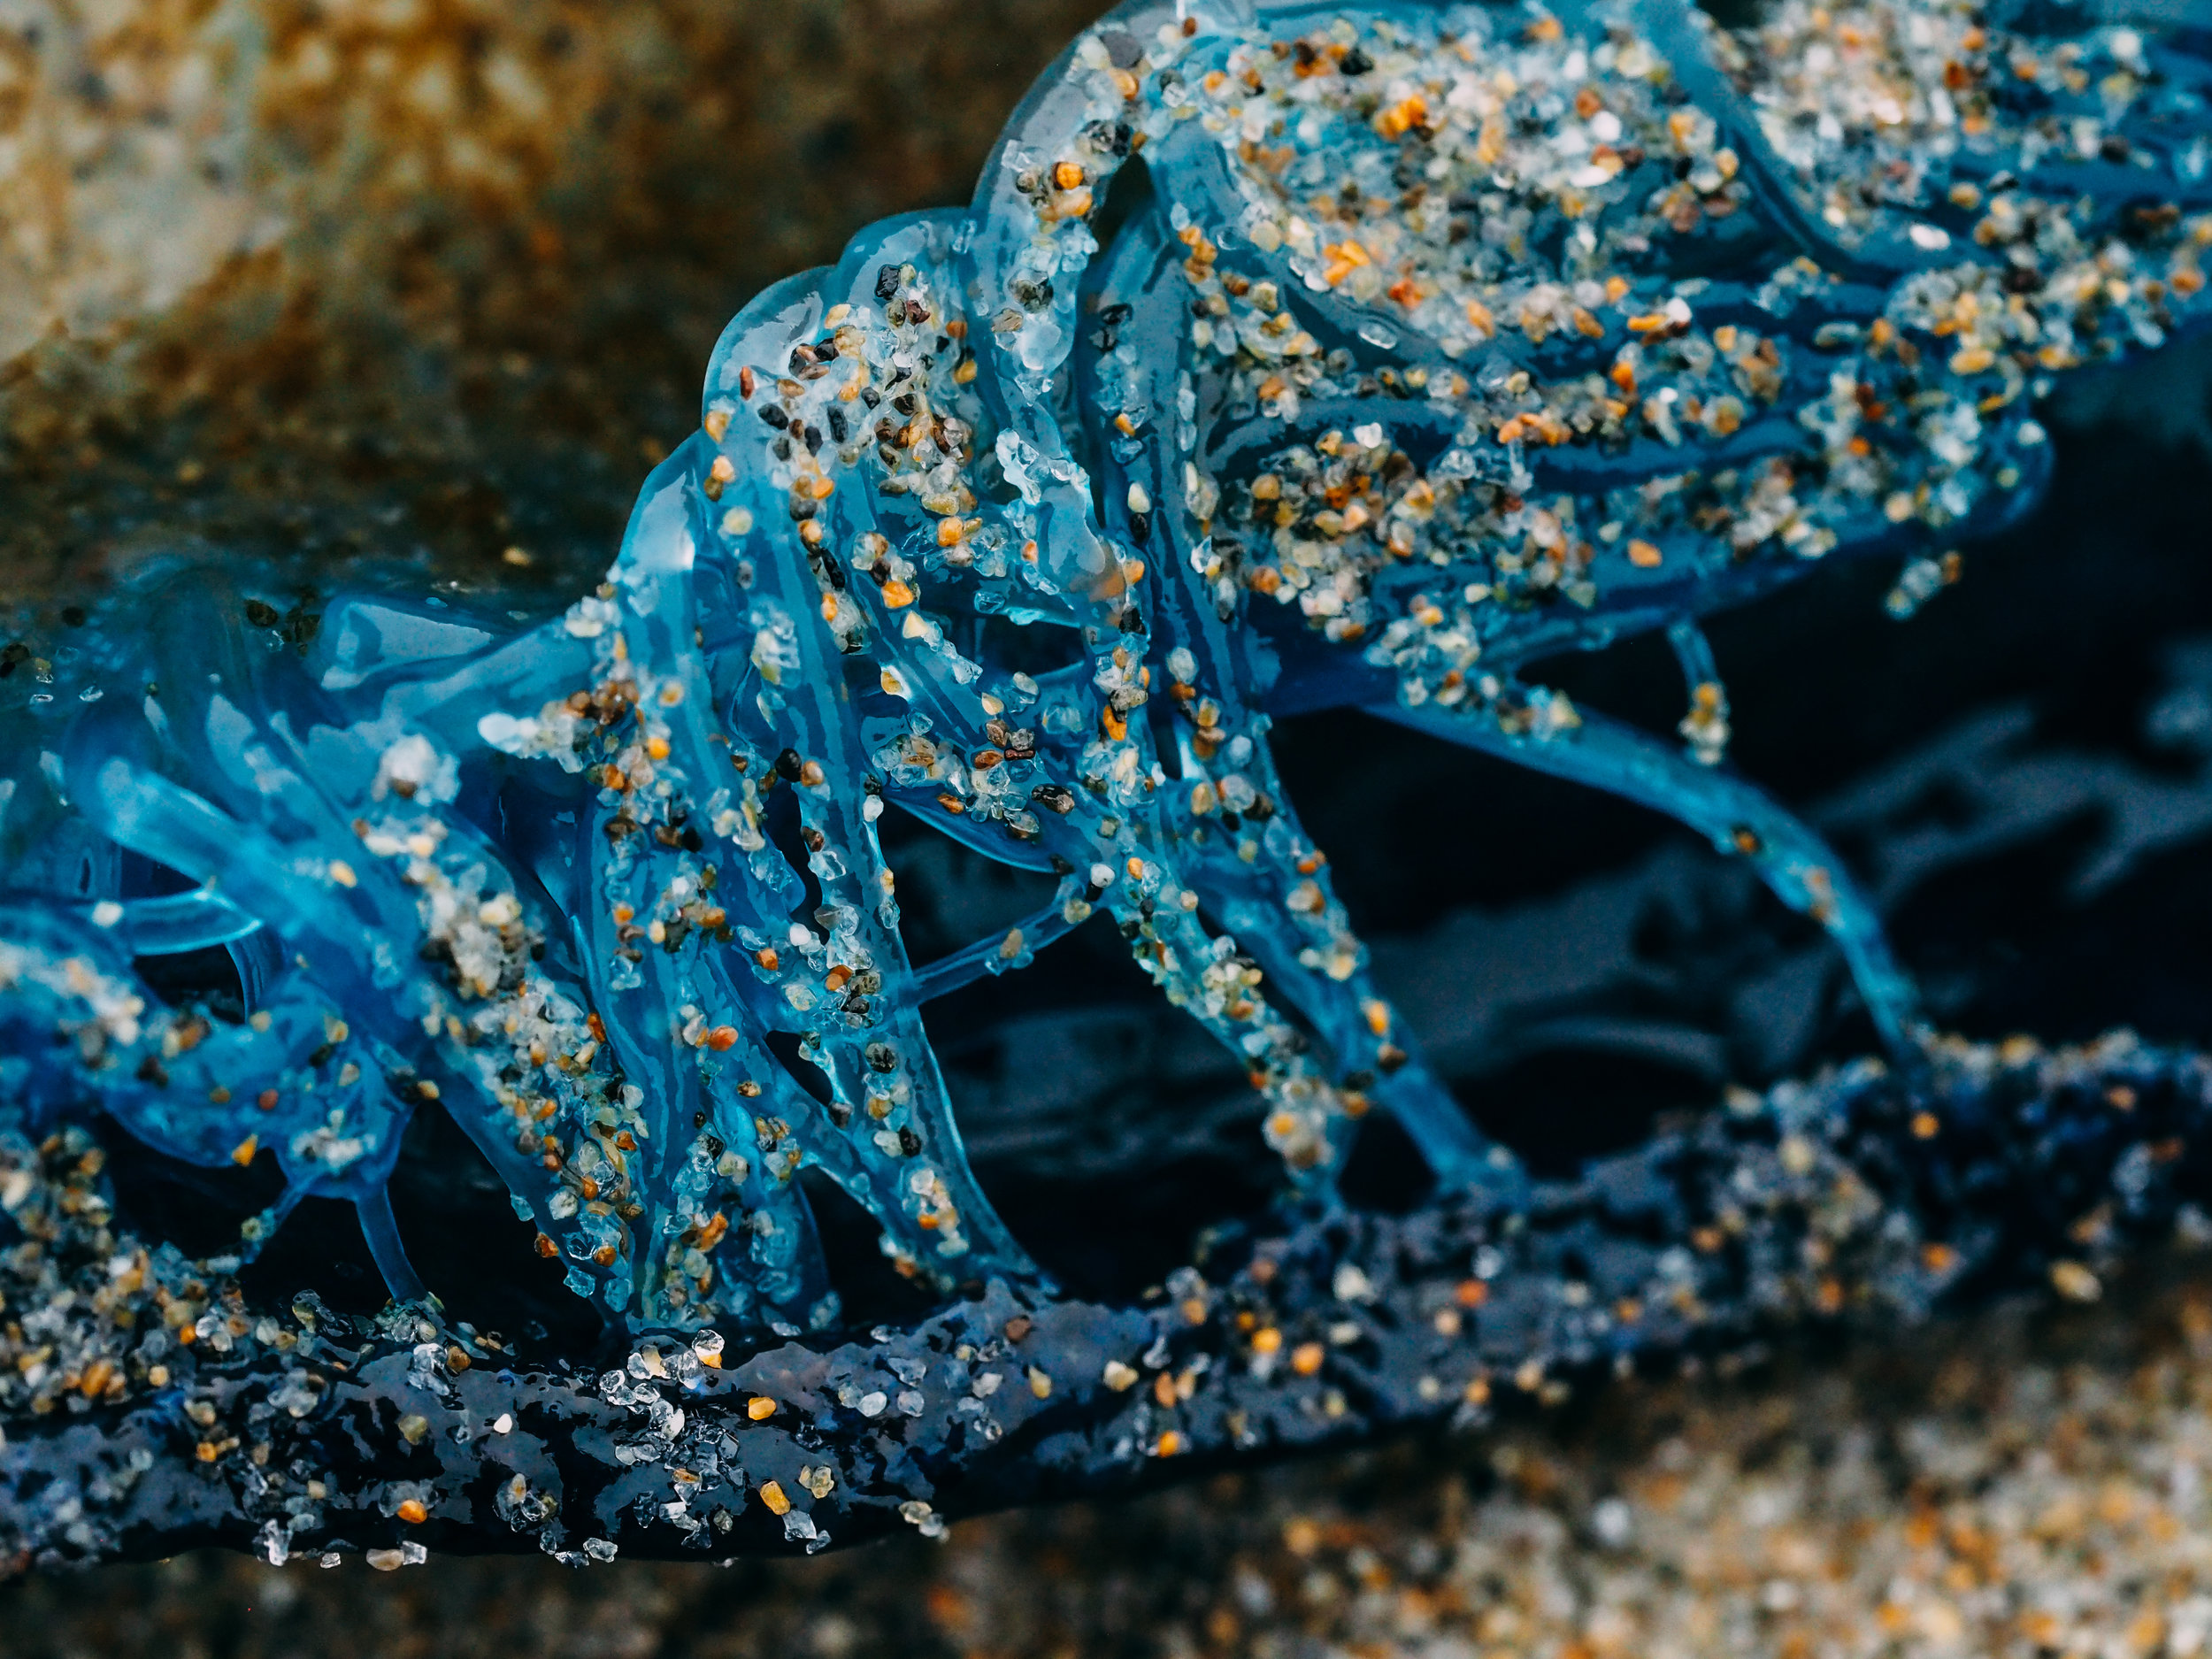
(382, 1234)
(1538, 729)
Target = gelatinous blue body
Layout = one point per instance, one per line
(1432, 342)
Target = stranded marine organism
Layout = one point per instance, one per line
(1425, 343)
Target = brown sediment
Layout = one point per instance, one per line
(427, 279)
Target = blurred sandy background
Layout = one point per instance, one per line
(427, 279)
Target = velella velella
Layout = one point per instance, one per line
(1289, 359)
